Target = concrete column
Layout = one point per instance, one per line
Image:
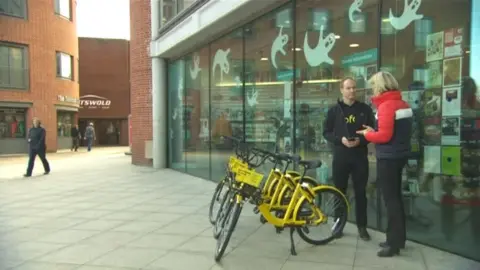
(159, 96)
(159, 113)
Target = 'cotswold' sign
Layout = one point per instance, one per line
(94, 102)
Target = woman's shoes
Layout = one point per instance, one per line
(385, 245)
(388, 252)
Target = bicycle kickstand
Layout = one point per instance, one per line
(292, 243)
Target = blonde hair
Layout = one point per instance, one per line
(383, 81)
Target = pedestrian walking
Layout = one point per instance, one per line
(391, 137)
(90, 136)
(76, 137)
(37, 146)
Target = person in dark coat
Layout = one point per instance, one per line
(37, 146)
(75, 134)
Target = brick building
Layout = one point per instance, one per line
(38, 71)
(105, 89)
(140, 81)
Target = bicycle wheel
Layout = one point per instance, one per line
(230, 224)
(212, 212)
(222, 213)
(324, 197)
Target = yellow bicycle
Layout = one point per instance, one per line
(298, 206)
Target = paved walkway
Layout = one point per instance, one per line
(102, 213)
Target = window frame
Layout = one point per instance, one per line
(26, 70)
(24, 11)
(58, 66)
(58, 11)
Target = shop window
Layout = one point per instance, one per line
(13, 66)
(12, 123)
(64, 66)
(63, 8)
(197, 108)
(64, 123)
(14, 8)
(176, 115)
(326, 52)
(227, 76)
(430, 61)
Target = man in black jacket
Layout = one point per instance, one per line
(75, 134)
(37, 146)
(349, 150)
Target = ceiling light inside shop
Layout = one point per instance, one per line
(354, 45)
(264, 59)
(279, 83)
(337, 36)
(297, 49)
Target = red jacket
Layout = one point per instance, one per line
(393, 130)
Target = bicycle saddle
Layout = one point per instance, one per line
(286, 157)
(310, 164)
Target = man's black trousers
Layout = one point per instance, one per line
(389, 173)
(357, 167)
(31, 160)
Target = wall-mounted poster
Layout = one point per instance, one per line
(451, 131)
(434, 51)
(453, 42)
(452, 101)
(433, 76)
(431, 159)
(452, 72)
(451, 161)
(432, 100)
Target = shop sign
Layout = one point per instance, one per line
(67, 99)
(94, 102)
(360, 58)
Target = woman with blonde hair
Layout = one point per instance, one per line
(392, 141)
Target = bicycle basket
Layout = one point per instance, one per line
(249, 177)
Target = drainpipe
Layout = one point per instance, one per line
(159, 96)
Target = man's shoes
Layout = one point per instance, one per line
(27, 175)
(385, 245)
(45, 173)
(363, 233)
(388, 252)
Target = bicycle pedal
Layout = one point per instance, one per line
(278, 230)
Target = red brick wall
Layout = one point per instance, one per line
(104, 71)
(140, 79)
(44, 33)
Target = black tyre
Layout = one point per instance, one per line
(222, 213)
(229, 226)
(212, 212)
(324, 195)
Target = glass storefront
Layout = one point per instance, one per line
(272, 80)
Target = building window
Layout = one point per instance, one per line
(15, 8)
(12, 123)
(64, 66)
(64, 123)
(13, 66)
(62, 8)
